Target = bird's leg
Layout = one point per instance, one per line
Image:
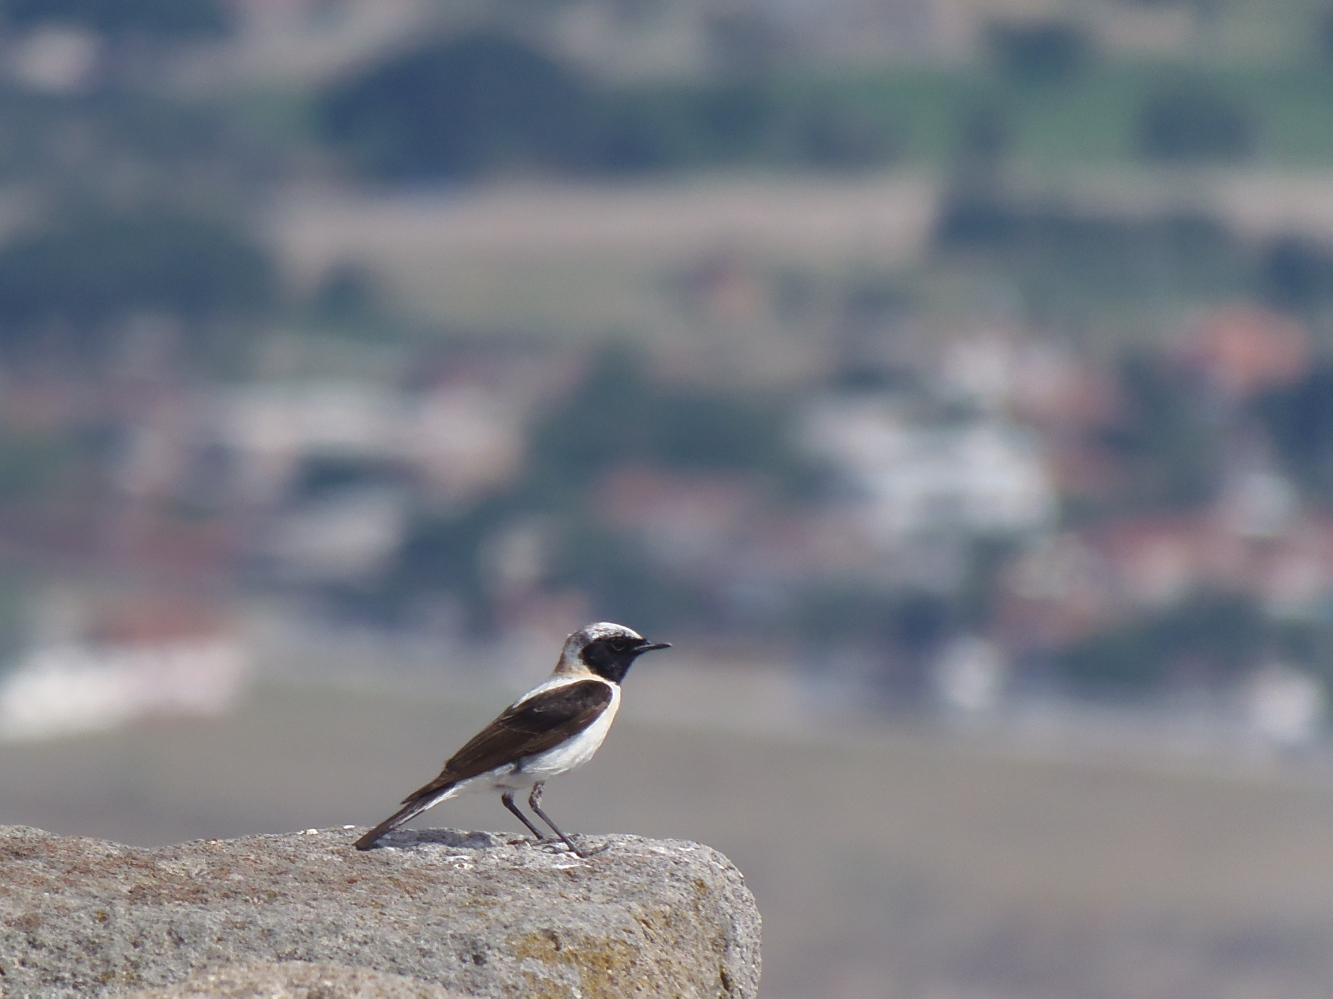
(508, 799)
(535, 802)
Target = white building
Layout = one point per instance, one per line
(980, 477)
(143, 658)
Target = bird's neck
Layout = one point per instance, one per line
(573, 670)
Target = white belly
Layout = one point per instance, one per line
(577, 751)
(561, 759)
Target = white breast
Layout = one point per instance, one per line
(576, 751)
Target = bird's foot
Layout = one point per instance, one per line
(553, 844)
(585, 852)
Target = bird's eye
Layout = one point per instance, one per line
(619, 644)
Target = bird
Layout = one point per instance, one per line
(552, 729)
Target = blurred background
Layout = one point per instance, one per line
(950, 381)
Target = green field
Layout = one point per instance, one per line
(1090, 118)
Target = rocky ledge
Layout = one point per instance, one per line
(483, 914)
(296, 980)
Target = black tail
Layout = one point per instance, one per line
(407, 813)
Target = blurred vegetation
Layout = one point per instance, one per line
(1204, 641)
(1092, 256)
(169, 19)
(1191, 122)
(327, 475)
(441, 553)
(1040, 53)
(1169, 441)
(899, 631)
(611, 569)
(620, 415)
(1297, 274)
(154, 187)
(1106, 280)
(617, 416)
(18, 584)
(487, 103)
(35, 468)
(348, 297)
(77, 278)
(449, 554)
(1299, 419)
(461, 106)
(110, 143)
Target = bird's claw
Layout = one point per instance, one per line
(554, 845)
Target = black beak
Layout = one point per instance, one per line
(653, 647)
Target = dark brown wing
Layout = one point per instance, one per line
(525, 729)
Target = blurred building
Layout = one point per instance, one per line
(103, 662)
(981, 477)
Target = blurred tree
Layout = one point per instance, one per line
(165, 19)
(900, 631)
(647, 129)
(1296, 273)
(1306, 643)
(445, 553)
(733, 120)
(1092, 255)
(918, 628)
(1190, 122)
(1042, 52)
(1323, 32)
(1169, 446)
(626, 583)
(442, 553)
(618, 416)
(486, 104)
(461, 108)
(131, 144)
(985, 138)
(837, 135)
(18, 586)
(977, 221)
(644, 131)
(34, 468)
(86, 274)
(348, 294)
(1299, 419)
(1206, 640)
(985, 134)
(988, 558)
(326, 475)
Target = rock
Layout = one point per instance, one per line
(294, 980)
(486, 914)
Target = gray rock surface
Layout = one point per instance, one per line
(483, 913)
(295, 980)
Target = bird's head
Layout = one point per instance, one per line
(608, 650)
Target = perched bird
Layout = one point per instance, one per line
(550, 730)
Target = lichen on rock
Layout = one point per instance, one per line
(483, 913)
(296, 980)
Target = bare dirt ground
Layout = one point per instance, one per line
(888, 863)
(577, 256)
